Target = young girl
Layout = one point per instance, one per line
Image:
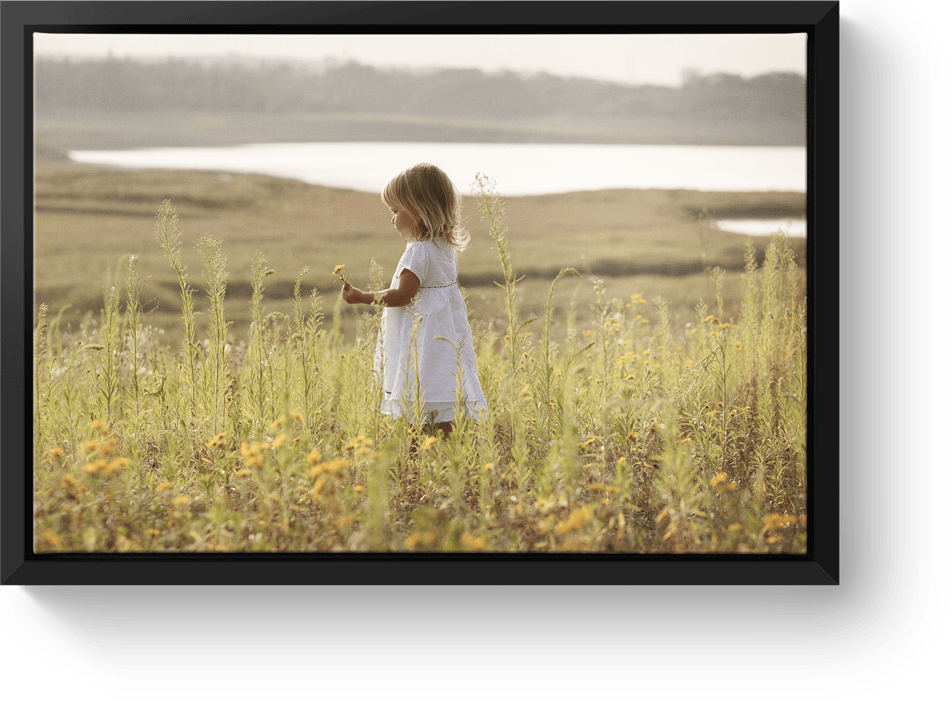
(425, 294)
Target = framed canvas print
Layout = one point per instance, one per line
(420, 292)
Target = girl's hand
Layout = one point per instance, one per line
(351, 294)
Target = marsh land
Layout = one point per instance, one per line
(89, 220)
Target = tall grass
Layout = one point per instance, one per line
(623, 435)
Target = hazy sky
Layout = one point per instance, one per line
(633, 58)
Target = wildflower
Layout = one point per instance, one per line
(469, 541)
(428, 443)
(68, 482)
(90, 445)
(163, 486)
(339, 272)
(578, 518)
(734, 527)
(92, 468)
(217, 442)
(180, 501)
(488, 467)
(108, 446)
(316, 490)
(718, 478)
(332, 467)
(153, 532)
(243, 473)
(98, 425)
(117, 464)
(56, 453)
(51, 538)
(314, 457)
(358, 488)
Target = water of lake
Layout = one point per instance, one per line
(518, 169)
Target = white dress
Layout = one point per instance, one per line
(427, 362)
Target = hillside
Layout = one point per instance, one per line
(125, 104)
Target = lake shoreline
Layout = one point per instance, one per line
(89, 220)
(91, 129)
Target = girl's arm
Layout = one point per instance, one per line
(399, 296)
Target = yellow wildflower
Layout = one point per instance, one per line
(428, 443)
(331, 467)
(476, 543)
(51, 538)
(318, 485)
(90, 445)
(180, 501)
(92, 468)
(578, 518)
(108, 446)
(117, 464)
(68, 482)
(98, 425)
(314, 457)
(217, 442)
(163, 486)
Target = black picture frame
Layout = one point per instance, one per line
(819, 20)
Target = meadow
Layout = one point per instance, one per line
(613, 425)
(652, 242)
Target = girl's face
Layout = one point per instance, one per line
(405, 223)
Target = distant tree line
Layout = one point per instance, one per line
(131, 86)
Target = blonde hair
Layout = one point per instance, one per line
(426, 192)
